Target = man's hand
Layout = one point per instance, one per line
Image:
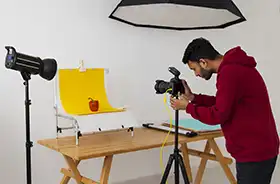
(179, 104)
(188, 93)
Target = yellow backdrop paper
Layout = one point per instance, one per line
(77, 86)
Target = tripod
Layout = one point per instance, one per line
(26, 76)
(177, 157)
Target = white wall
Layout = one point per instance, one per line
(70, 30)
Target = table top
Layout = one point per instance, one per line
(116, 142)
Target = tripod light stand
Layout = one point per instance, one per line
(177, 88)
(175, 157)
(28, 65)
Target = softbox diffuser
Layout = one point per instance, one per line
(178, 14)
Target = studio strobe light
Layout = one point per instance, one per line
(29, 65)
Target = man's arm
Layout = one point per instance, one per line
(198, 99)
(227, 91)
(203, 100)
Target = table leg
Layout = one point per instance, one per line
(66, 178)
(202, 165)
(186, 158)
(222, 161)
(106, 169)
(73, 167)
(74, 173)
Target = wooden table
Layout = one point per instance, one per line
(108, 144)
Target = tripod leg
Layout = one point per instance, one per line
(167, 169)
(176, 169)
(183, 169)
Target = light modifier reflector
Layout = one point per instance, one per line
(178, 14)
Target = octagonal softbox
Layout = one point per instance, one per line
(178, 14)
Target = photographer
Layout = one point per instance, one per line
(241, 106)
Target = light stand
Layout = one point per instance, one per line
(29, 65)
(29, 144)
(177, 88)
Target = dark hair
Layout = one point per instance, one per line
(200, 48)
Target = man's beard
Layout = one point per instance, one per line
(206, 74)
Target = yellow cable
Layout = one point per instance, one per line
(170, 116)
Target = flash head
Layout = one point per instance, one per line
(24, 63)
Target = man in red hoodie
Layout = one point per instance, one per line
(241, 107)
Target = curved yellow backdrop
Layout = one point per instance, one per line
(76, 87)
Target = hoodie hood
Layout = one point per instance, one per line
(238, 57)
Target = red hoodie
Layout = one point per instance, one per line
(242, 108)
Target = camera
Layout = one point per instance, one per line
(173, 87)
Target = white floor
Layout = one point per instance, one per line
(211, 176)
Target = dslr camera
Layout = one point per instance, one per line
(173, 87)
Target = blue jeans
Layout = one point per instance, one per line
(255, 172)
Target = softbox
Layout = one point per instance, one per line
(178, 14)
